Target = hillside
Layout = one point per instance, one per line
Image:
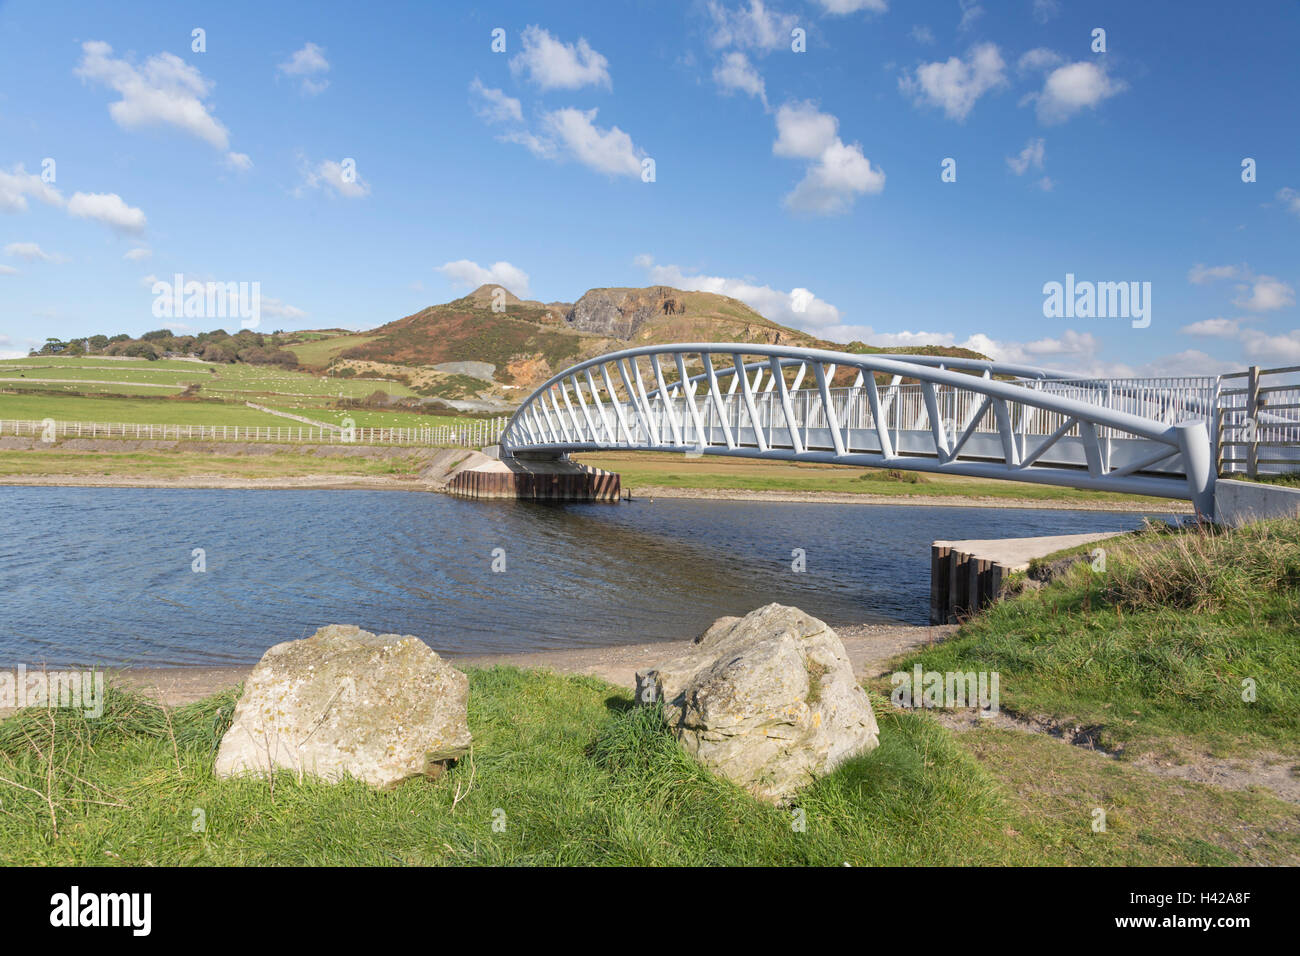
(508, 344)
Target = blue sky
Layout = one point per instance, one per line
(807, 183)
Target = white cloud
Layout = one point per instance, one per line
(494, 106)
(277, 309)
(1031, 156)
(1265, 294)
(555, 65)
(109, 209)
(18, 184)
(1044, 10)
(539, 147)
(307, 66)
(30, 252)
(750, 27)
(467, 273)
(164, 91)
(1072, 88)
(843, 7)
(610, 151)
(1200, 274)
(1218, 328)
(239, 161)
(1040, 58)
(838, 174)
(8, 271)
(736, 73)
(970, 12)
(1289, 198)
(954, 85)
(798, 307)
(1264, 348)
(803, 132)
(340, 178)
(138, 254)
(922, 35)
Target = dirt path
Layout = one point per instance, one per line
(1275, 772)
(870, 647)
(1157, 506)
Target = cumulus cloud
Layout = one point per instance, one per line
(1217, 328)
(838, 173)
(308, 67)
(1038, 59)
(552, 64)
(277, 309)
(109, 209)
(955, 85)
(797, 307)
(163, 91)
(843, 7)
(736, 74)
(750, 27)
(469, 274)
(337, 178)
(1290, 199)
(1072, 88)
(1264, 294)
(1200, 274)
(494, 106)
(970, 12)
(30, 252)
(610, 151)
(1031, 157)
(1265, 348)
(1044, 10)
(18, 184)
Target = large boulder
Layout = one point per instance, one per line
(768, 701)
(345, 702)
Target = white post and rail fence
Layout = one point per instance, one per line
(476, 433)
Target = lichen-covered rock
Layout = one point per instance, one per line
(768, 701)
(345, 702)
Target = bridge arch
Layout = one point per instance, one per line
(933, 414)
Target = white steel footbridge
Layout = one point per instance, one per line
(919, 413)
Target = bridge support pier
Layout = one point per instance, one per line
(1198, 462)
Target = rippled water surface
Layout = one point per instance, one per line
(103, 575)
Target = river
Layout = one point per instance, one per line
(106, 576)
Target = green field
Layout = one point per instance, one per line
(319, 351)
(142, 411)
(571, 774)
(228, 380)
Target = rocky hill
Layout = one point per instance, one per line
(490, 343)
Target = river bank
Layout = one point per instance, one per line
(155, 463)
(644, 492)
(869, 646)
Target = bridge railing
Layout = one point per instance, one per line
(927, 418)
(1258, 421)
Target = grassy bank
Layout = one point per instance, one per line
(182, 462)
(571, 774)
(641, 470)
(1156, 651)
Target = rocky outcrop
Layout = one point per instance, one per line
(619, 313)
(345, 702)
(768, 701)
